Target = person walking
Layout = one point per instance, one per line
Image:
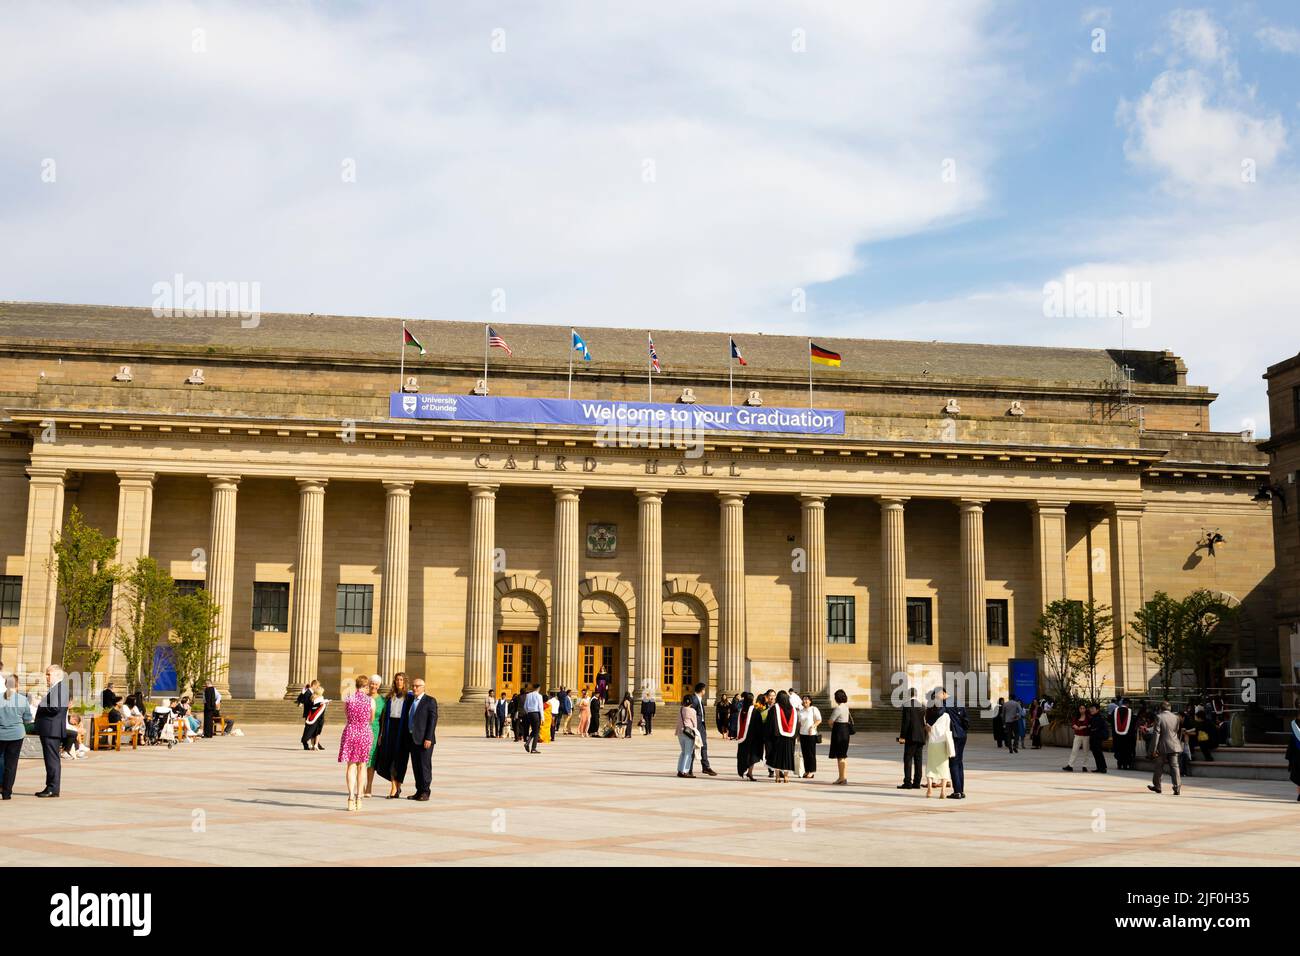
(1098, 733)
(51, 721)
(912, 735)
(810, 719)
(1079, 748)
(393, 751)
(1169, 745)
(697, 702)
(14, 713)
(313, 702)
(688, 734)
(625, 715)
(841, 731)
(533, 705)
(424, 725)
(999, 728)
(647, 710)
(1011, 715)
(356, 739)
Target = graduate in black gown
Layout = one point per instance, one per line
(393, 749)
(782, 730)
(749, 736)
(1124, 740)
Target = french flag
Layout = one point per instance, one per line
(735, 353)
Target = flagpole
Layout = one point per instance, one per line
(570, 363)
(485, 357)
(649, 369)
(401, 361)
(810, 398)
(731, 372)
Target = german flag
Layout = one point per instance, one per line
(823, 356)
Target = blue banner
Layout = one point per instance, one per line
(1023, 678)
(563, 411)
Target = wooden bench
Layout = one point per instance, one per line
(107, 735)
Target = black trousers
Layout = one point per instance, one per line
(489, 724)
(1011, 733)
(955, 767)
(12, 750)
(500, 720)
(532, 730)
(50, 747)
(808, 747)
(913, 752)
(422, 765)
(704, 749)
(1098, 757)
(649, 719)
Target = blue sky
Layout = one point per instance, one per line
(919, 170)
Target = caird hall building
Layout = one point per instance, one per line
(347, 520)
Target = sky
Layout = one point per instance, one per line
(932, 170)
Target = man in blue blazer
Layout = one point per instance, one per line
(960, 721)
(424, 724)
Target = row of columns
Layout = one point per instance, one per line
(44, 519)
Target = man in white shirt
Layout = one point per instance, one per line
(533, 705)
(490, 714)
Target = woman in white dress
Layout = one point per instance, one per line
(939, 748)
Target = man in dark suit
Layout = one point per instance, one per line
(424, 724)
(960, 722)
(51, 726)
(697, 702)
(210, 709)
(109, 696)
(911, 734)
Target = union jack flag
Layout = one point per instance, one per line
(654, 356)
(497, 342)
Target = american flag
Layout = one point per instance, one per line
(497, 342)
(654, 356)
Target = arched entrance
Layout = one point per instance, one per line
(523, 606)
(605, 608)
(689, 638)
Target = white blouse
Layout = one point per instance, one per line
(809, 718)
(395, 706)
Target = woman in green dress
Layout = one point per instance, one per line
(381, 711)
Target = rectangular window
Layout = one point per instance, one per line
(270, 606)
(353, 608)
(920, 628)
(996, 617)
(11, 599)
(186, 587)
(840, 626)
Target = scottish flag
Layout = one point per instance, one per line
(580, 346)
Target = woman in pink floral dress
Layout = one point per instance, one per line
(354, 745)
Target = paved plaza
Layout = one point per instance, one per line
(260, 800)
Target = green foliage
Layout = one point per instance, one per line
(1095, 639)
(1054, 643)
(147, 597)
(83, 561)
(193, 618)
(1159, 625)
(1187, 633)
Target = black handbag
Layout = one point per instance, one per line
(852, 730)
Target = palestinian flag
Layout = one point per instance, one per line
(410, 340)
(823, 356)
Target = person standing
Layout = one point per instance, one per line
(810, 719)
(584, 713)
(14, 712)
(1125, 738)
(912, 735)
(314, 718)
(108, 697)
(533, 705)
(1079, 747)
(394, 748)
(687, 732)
(782, 727)
(518, 722)
(1169, 745)
(959, 725)
(502, 705)
(625, 715)
(211, 709)
(376, 722)
(939, 749)
(566, 711)
(841, 731)
(749, 737)
(423, 724)
(648, 710)
(1098, 731)
(602, 685)
(51, 720)
(721, 707)
(1011, 714)
(999, 728)
(355, 741)
(697, 702)
(490, 714)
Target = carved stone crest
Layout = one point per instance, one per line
(602, 540)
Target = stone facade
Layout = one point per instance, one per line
(1283, 449)
(282, 468)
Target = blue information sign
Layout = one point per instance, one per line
(1023, 678)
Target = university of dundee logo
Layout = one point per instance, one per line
(602, 540)
(408, 404)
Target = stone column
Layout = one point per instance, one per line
(479, 612)
(974, 659)
(731, 609)
(649, 596)
(134, 520)
(397, 564)
(893, 599)
(563, 666)
(812, 655)
(40, 578)
(1127, 596)
(220, 583)
(304, 632)
(1049, 550)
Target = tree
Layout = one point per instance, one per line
(1094, 638)
(1207, 621)
(1055, 640)
(1159, 622)
(83, 560)
(147, 595)
(193, 618)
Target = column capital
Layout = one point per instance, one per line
(482, 490)
(37, 473)
(972, 504)
(398, 487)
(566, 493)
(728, 496)
(225, 481)
(810, 500)
(891, 502)
(650, 494)
(1127, 509)
(1048, 505)
(137, 477)
(312, 485)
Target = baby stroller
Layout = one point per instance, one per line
(153, 728)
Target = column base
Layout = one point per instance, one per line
(471, 694)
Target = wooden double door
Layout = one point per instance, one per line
(680, 666)
(517, 662)
(597, 651)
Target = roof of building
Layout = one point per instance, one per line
(335, 336)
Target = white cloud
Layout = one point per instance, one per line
(1282, 39)
(1195, 34)
(522, 170)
